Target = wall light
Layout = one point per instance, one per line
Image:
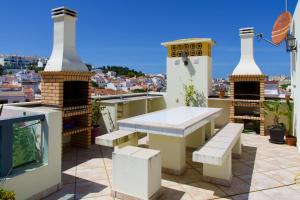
(185, 58)
(291, 43)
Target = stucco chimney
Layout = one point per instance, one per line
(247, 63)
(64, 56)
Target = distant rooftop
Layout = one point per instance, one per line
(188, 40)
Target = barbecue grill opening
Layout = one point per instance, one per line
(247, 90)
(76, 93)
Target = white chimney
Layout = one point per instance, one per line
(247, 63)
(64, 56)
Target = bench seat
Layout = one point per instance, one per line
(117, 138)
(216, 153)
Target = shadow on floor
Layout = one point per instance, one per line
(193, 183)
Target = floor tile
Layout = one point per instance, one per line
(91, 174)
(174, 193)
(68, 177)
(239, 168)
(260, 181)
(203, 190)
(283, 176)
(252, 196)
(238, 186)
(282, 193)
(265, 171)
(190, 176)
(90, 164)
(92, 189)
(66, 193)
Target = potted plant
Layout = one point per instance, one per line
(288, 112)
(7, 195)
(97, 109)
(190, 93)
(277, 130)
(222, 90)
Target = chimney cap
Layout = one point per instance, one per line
(247, 31)
(63, 11)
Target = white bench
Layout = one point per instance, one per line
(217, 152)
(136, 173)
(119, 138)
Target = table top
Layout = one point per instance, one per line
(179, 121)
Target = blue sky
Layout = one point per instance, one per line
(129, 32)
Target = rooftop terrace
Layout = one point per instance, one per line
(265, 171)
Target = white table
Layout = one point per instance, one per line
(170, 131)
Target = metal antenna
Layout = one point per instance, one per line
(260, 36)
(286, 5)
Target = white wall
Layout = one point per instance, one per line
(198, 70)
(43, 180)
(295, 60)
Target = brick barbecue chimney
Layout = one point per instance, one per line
(247, 87)
(66, 81)
(64, 57)
(247, 63)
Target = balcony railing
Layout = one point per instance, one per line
(23, 144)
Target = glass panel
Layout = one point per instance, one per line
(28, 143)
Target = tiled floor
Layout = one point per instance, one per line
(265, 171)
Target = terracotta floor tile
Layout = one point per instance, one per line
(295, 187)
(107, 162)
(263, 166)
(238, 186)
(69, 165)
(260, 181)
(282, 193)
(92, 189)
(169, 183)
(190, 176)
(281, 162)
(252, 196)
(241, 169)
(174, 193)
(66, 193)
(91, 174)
(68, 177)
(283, 176)
(106, 197)
(203, 190)
(90, 164)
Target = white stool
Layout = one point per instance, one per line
(136, 173)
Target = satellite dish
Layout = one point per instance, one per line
(281, 27)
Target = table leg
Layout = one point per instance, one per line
(210, 129)
(172, 151)
(195, 139)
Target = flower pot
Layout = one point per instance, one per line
(95, 133)
(287, 97)
(221, 94)
(291, 140)
(277, 135)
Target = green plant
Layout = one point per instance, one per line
(190, 93)
(288, 112)
(94, 84)
(278, 110)
(138, 90)
(273, 107)
(97, 109)
(7, 195)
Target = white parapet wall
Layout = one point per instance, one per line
(295, 61)
(39, 182)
